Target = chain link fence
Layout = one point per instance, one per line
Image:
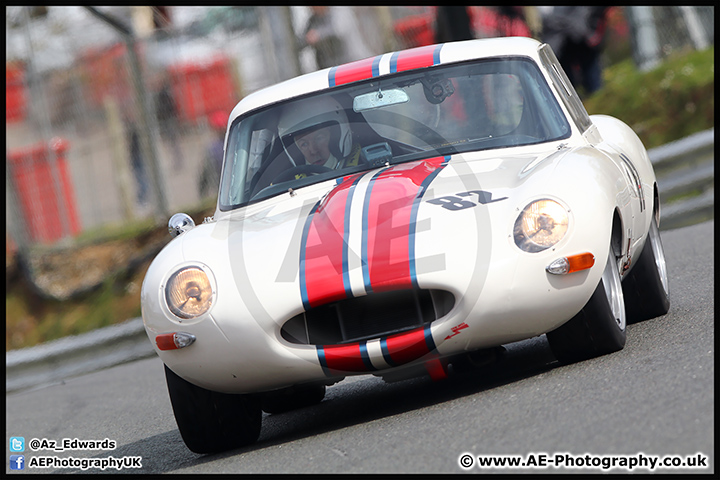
(115, 114)
(658, 32)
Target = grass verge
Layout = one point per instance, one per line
(672, 101)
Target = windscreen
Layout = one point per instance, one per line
(444, 110)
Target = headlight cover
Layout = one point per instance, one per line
(540, 225)
(188, 293)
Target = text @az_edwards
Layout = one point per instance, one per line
(67, 444)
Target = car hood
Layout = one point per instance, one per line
(399, 227)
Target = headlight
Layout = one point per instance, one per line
(541, 225)
(188, 293)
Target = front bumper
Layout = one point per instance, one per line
(237, 353)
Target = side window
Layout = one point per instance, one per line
(564, 88)
(504, 101)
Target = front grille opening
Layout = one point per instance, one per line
(370, 316)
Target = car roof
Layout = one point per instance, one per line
(386, 64)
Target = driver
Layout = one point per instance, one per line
(316, 131)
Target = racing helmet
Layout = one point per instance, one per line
(304, 116)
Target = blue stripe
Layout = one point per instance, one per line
(386, 352)
(365, 357)
(346, 238)
(393, 62)
(303, 248)
(413, 219)
(364, 260)
(436, 54)
(331, 76)
(428, 338)
(323, 360)
(376, 66)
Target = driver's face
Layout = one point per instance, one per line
(315, 146)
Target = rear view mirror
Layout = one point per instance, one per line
(379, 99)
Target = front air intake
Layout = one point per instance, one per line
(370, 316)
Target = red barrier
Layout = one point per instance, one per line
(200, 89)
(419, 30)
(105, 71)
(416, 30)
(32, 174)
(14, 93)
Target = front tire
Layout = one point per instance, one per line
(646, 287)
(599, 328)
(210, 421)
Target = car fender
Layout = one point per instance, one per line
(623, 145)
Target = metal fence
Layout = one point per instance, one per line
(113, 114)
(660, 31)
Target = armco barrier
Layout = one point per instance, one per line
(70, 356)
(31, 171)
(684, 150)
(685, 171)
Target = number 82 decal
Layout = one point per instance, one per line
(456, 202)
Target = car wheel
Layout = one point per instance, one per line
(212, 421)
(292, 398)
(646, 287)
(599, 328)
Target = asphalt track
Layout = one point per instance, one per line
(655, 398)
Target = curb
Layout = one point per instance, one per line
(103, 348)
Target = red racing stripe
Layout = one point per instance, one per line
(388, 228)
(352, 72)
(396, 349)
(406, 347)
(323, 265)
(388, 224)
(419, 57)
(346, 358)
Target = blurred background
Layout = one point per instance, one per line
(114, 117)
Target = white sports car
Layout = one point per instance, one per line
(402, 215)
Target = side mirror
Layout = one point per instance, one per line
(180, 223)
